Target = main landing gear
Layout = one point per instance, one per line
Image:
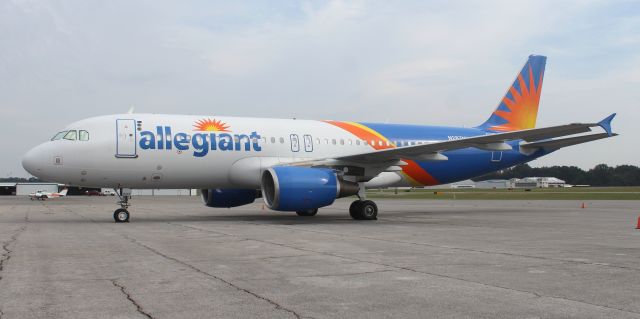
(363, 209)
(121, 215)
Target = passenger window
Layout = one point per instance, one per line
(350, 142)
(282, 140)
(273, 140)
(333, 141)
(58, 135)
(71, 135)
(341, 141)
(380, 143)
(84, 135)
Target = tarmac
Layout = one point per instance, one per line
(66, 258)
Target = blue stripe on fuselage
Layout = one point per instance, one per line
(462, 164)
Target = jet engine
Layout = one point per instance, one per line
(291, 188)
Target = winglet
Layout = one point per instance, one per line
(606, 124)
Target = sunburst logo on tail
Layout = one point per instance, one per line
(522, 104)
(211, 125)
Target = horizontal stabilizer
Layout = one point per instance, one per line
(551, 145)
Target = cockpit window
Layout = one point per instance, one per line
(71, 135)
(84, 135)
(58, 135)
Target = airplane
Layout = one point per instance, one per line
(300, 165)
(42, 195)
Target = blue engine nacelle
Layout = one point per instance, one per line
(226, 198)
(290, 188)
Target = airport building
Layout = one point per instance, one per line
(464, 184)
(23, 189)
(7, 189)
(538, 182)
(494, 184)
(527, 182)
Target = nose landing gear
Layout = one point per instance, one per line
(121, 215)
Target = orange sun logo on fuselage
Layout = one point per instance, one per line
(211, 125)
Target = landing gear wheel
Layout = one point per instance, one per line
(121, 215)
(307, 213)
(364, 210)
(368, 210)
(354, 208)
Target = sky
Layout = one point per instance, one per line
(415, 62)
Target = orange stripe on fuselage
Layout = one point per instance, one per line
(412, 171)
(364, 133)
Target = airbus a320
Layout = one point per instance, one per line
(299, 165)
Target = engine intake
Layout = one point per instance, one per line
(290, 188)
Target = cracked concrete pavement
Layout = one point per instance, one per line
(442, 259)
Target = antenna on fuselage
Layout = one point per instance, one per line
(131, 110)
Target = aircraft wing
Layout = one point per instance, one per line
(491, 142)
(534, 139)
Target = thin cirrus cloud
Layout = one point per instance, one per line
(419, 62)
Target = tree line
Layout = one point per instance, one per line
(601, 175)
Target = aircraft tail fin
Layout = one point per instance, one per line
(518, 109)
(64, 192)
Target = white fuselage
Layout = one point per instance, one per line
(136, 151)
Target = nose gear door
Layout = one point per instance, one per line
(126, 138)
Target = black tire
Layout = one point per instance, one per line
(368, 210)
(121, 215)
(307, 213)
(354, 209)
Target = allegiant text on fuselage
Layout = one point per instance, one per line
(201, 143)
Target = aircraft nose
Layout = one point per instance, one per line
(33, 161)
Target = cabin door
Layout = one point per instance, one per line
(126, 138)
